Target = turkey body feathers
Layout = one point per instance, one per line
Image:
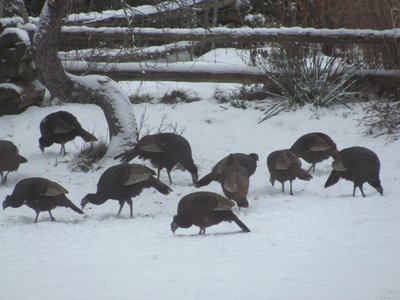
(283, 166)
(204, 209)
(9, 159)
(248, 161)
(61, 127)
(314, 147)
(164, 150)
(123, 182)
(40, 194)
(235, 183)
(356, 164)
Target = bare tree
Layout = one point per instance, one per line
(93, 89)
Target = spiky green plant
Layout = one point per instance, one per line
(310, 77)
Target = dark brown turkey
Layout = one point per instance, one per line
(205, 209)
(314, 147)
(9, 159)
(283, 165)
(234, 179)
(359, 165)
(40, 194)
(61, 127)
(248, 161)
(122, 182)
(164, 150)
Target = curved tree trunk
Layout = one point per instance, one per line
(91, 89)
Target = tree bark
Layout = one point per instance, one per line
(91, 89)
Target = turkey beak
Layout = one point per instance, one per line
(195, 178)
(272, 181)
(41, 148)
(4, 205)
(380, 190)
(84, 202)
(174, 226)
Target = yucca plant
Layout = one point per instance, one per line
(310, 77)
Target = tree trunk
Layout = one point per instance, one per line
(93, 89)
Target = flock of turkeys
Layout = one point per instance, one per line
(166, 150)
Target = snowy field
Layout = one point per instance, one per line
(318, 244)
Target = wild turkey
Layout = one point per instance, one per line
(248, 161)
(234, 179)
(61, 127)
(9, 159)
(283, 165)
(314, 147)
(122, 182)
(165, 150)
(205, 209)
(40, 194)
(356, 164)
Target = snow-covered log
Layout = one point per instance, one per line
(15, 45)
(196, 72)
(16, 56)
(80, 37)
(17, 96)
(160, 14)
(93, 89)
(168, 53)
(156, 15)
(230, 35)
(179, 71)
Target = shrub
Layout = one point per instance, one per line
(308, 77)
(90, 154)
(382, 118)
(238, 103)
(242, 95)
(176, 96)
(137, 99)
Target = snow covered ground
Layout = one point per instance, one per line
(318, 244)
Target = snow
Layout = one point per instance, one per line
(318, 244)
(22, 34)
(11, 86)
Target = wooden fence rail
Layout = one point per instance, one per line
(243, 35)
(197, 72)
(116, 36)
(81, 37)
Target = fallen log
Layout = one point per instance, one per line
(14, 45)
(85, 37)
(181, 51)
(82, 37)
(17, 96)
(198, 72)
(186, 71)
(164, 14)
